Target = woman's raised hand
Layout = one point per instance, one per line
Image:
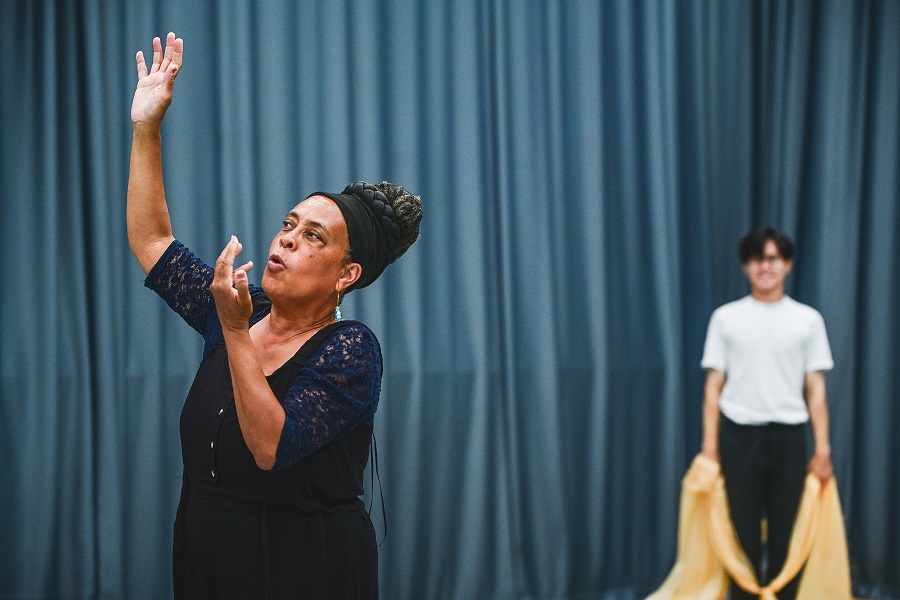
(154, 88)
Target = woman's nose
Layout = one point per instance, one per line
(286, 241)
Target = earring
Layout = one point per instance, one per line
(337, 308)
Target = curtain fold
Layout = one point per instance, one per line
(587, 170)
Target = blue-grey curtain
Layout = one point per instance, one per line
(587, 169)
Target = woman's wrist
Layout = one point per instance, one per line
(149, 132)
(236, 332)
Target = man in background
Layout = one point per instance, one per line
(763, 354)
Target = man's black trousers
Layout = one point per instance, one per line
(764, 467)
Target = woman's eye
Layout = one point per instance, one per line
(286, 224)
(314, 234)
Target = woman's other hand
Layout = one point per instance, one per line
(154, 88)
(230, 289)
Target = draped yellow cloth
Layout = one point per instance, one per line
(709, 551)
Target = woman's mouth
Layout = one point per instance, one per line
(275, 263)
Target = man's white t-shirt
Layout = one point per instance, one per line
(765, 350)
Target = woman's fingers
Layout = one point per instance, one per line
(141, 64)
(230, 287)
(173, 54)
(225, 270)
(175, 63)
(168, 62)
(242, 284)
(244, 267)
(225, 263)
(224, 253)
(177, 51)
(157, 55)
(170, 50)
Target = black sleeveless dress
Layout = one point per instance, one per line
(245, 533)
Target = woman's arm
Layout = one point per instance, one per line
(149, 228)
(335, 392)
(259, 413)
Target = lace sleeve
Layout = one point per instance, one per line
(336, 391)
(182, 280)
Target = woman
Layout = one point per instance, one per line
(276, 427)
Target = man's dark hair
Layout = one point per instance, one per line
(754, 243)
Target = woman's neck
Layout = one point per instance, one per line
(281, 327)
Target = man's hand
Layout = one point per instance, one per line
(154, 89)
(820, 466)
(230, 289)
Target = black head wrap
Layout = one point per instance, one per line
(372, 228)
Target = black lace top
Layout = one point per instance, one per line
(335, 391)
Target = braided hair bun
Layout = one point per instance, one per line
(407, 211)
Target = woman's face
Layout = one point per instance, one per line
(306, 263)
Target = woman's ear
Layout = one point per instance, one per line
(350, 273)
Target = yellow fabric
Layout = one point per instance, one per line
(709, 551)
